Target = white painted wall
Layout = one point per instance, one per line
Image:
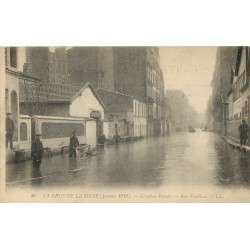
(84, 104)
(25, 144)
(91, 133)
(12, 84)
(140, 113)
(106, 129)
(57, 143)
(244, 98)
(139, 108)
(140, 128)
(237, 107)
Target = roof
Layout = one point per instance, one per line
(21, 75)
(53, 93)
(115, 102)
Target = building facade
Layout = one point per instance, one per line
(225, 59)
(133, 71)
(137, 72)
(180, 113)
(239, 95)
(50, 67)
(123, 114)
(59, 109)
(91, 64)
(14, 62)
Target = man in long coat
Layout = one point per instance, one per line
(37, 151)
(243, 129)
(10, 128)
(73, 144)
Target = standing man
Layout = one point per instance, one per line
(74, 143)
(116, 138)
(102, 139)
(243, 129)
(37, 151)
(9, 130)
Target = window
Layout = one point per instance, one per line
(13, 57)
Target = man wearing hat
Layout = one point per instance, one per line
(37, 151)
(9, 130)
(73, 144)
(243, 129)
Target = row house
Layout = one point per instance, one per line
(154, 93)
(133, 71)
(52, 109)
(239, 94)
(58, 109)
(218, 105)
(123, 114)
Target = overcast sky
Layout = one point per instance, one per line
(191, 70)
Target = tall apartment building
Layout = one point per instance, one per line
(91, 64)
(181, 113)
(137, 72)
(51, 67)
(133, 71)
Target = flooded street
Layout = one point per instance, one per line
(182, 159)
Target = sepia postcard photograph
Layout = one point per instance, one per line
(125, 124)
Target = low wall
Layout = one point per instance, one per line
(56, 131)
(90, 137)
(25, 132)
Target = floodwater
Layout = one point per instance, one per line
(180, 159)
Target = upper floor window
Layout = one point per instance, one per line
(13, 57)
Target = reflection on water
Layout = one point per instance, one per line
(182, 159)
(36, 175)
